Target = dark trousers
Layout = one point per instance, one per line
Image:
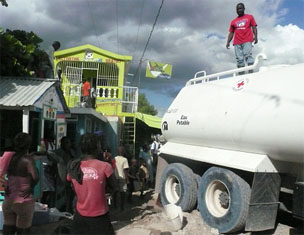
(130, 189)
(155, 160)
(87, 100)
(92, 225)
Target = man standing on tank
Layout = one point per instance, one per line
(243, 31)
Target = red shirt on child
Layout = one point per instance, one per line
(85, 89)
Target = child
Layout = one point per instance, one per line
(133, 173)
(107, 157)
(122, 176)
(144, 176)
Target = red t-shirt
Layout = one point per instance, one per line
(85, 89)
(91, 194)
(241, 26)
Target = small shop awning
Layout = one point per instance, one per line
(22, 92)
(88, 111)
(28, 92)
(151, 121)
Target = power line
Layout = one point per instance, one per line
(139, 25)
(140, 21)
(93, 21)
(143, 54)
(117, 26)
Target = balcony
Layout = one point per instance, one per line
(129, 98)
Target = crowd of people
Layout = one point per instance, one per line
(84, 185)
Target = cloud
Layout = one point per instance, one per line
(283, 45)
(190, 35)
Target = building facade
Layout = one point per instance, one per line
(105, 72)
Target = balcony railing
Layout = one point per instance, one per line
(129, 100)
(107, 92)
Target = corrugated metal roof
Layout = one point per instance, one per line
(16, 91)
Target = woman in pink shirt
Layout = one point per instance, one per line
(89, 177)
(18, 206)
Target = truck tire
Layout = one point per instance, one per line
(178, 186)
(198, 179)
(223, 199)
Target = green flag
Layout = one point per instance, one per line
(158, 70)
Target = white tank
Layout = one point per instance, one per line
(261, 112)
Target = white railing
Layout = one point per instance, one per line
(71, 90)
(72, 93)
(107, 92)
(217, 76)
(129, 96)
(129, 99)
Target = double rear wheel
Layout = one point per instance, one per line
(223, 199)
(222, 196)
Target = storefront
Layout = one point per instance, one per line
(86, 120)
(34, 106)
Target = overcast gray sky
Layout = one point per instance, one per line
(189, 34)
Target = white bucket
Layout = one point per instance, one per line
(175, 215)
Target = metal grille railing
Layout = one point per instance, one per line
(73, 75)
(129, 99)
(107, 73)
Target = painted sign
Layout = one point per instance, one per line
(49, 113)
(183, 121)
(69, 59)
(89, 56)
(61, 132)
(165, 126)
(158, 70)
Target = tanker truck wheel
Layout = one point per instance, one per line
(223, 199)
(178, 186)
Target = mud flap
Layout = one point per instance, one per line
(298, 200)
(264, 202)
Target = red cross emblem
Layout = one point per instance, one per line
(240, 84)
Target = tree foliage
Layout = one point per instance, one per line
(4, 3)
(20, 54)
(144, 106)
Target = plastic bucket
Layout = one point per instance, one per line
(175, 215)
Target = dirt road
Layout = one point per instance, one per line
(141, 218)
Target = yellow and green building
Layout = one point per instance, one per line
(114, 100)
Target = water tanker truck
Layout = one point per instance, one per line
(235, 146)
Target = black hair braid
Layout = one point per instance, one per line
(89, 143)
(22, 142)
